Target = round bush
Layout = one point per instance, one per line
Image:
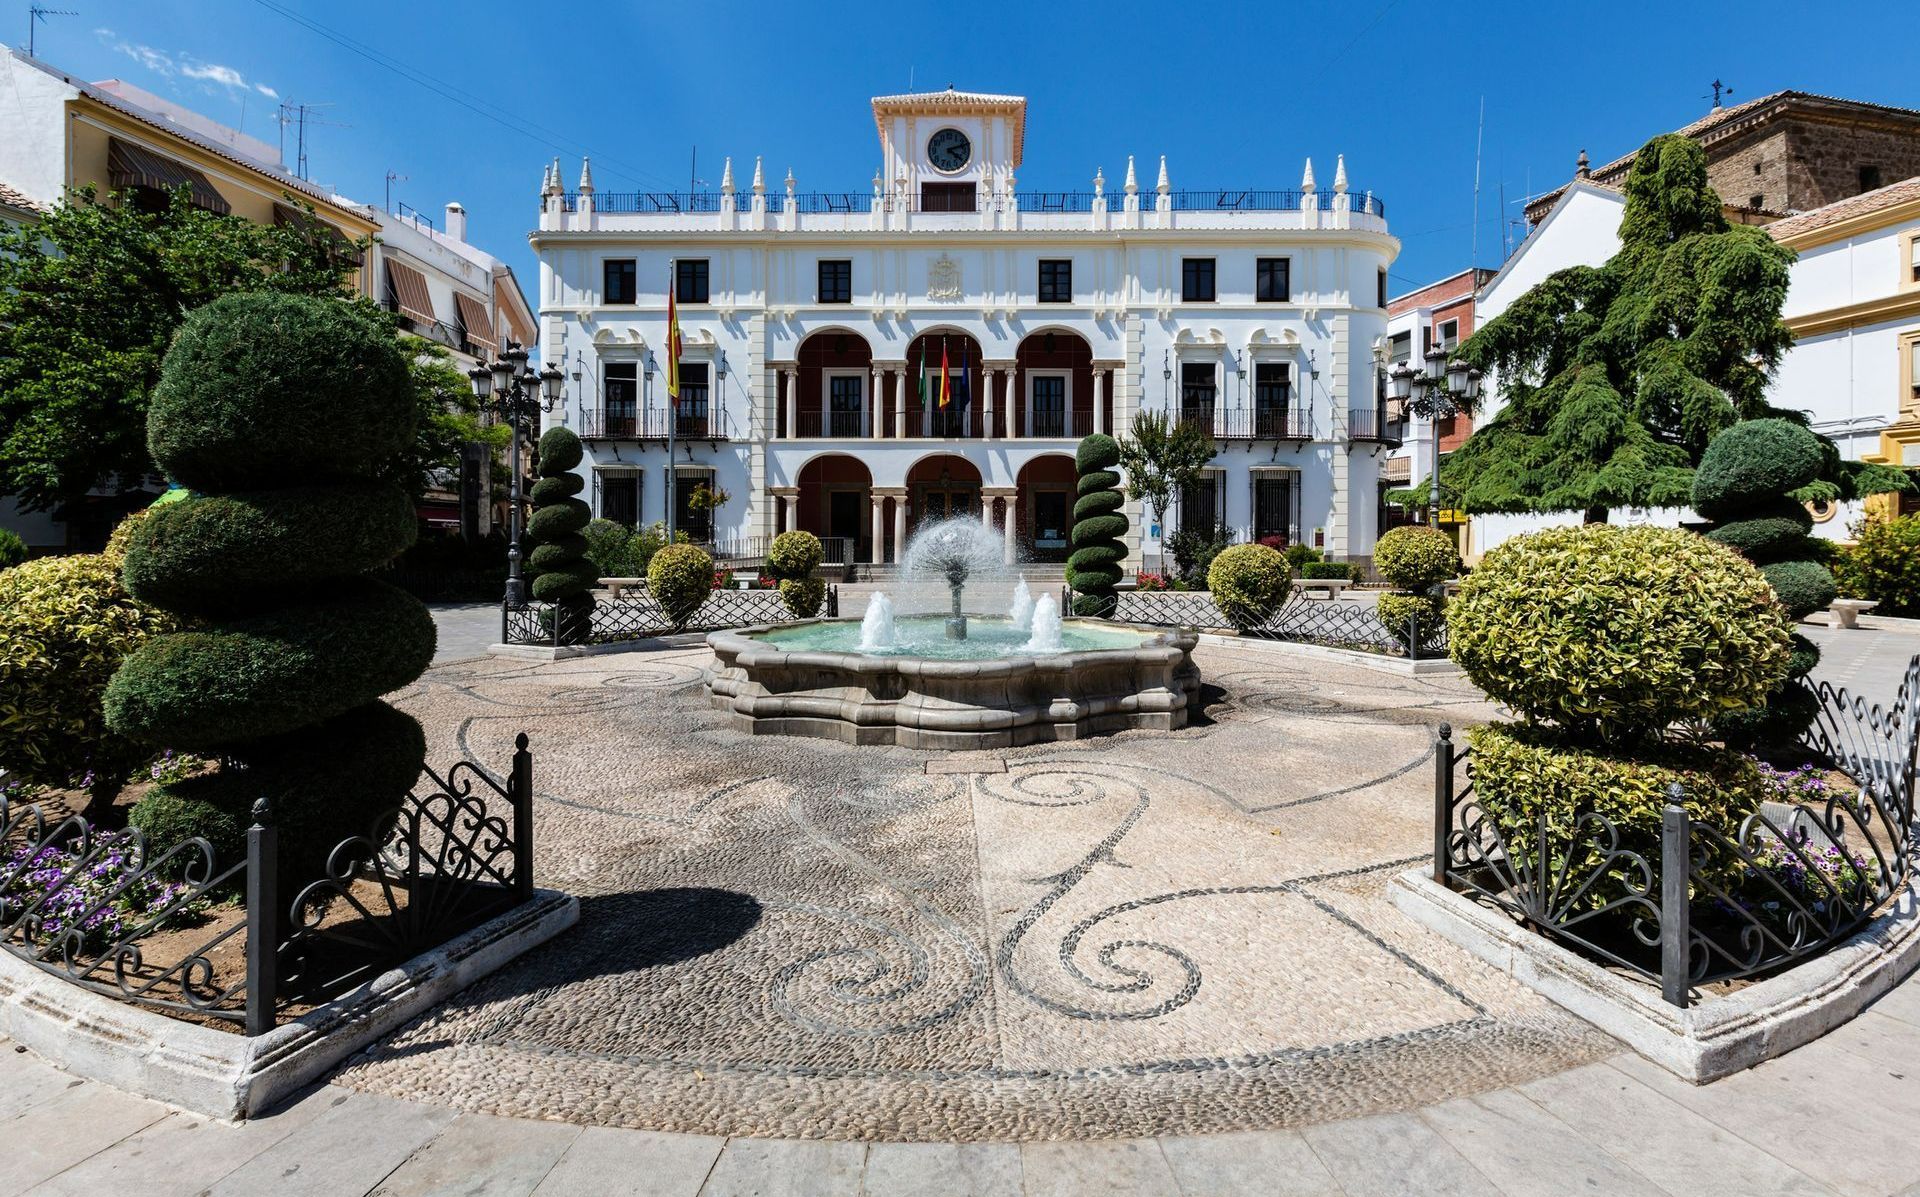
(1097, 452)
(1803, 586)
(547, 491)
(1615, 633)
(260, 387)
(13, 550)
(1098, 554)
(1768, 532)
(267, 674)
(562, 553)
(795, 554)
(680, 577)
(803, 596)
(606, 546)
(65, 626)
(218, 554)
(1099, 529)
(1095, 580)
(1415, 557)
(1396, 610)
(1249, 582)
(1752, 461)
(1104, 501)
(550, 524)
(1883, 564)
(559, 451)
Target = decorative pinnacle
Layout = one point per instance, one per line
(586, 176)
(759, 175)
(726, 177)
(1162, 186)
(1099, 181)
(1580, 167)
(1306, 180)
(1133, 184)
(789, 179)
(1340, 174)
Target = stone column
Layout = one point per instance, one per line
(790, 388)
(879, 528)
(900, 404)
(999, 397)
(873, 401)
(1009, 497)
(899, 524)
(899, 496)
(788, 498)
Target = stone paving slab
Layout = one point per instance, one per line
(55, 1134)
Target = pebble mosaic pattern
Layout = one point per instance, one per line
(1141, 934)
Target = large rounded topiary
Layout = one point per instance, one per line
(1249, 582)
(562, 572)
(1094, 567)
(1415, 558)
(281, 413)
(680, 577)
(792, 557)
(1612, 634)
(1744, 484)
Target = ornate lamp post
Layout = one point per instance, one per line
(1439, 391)
(519, 395)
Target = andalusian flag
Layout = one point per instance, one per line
(673, 342)
(946, 382)
(925, 396)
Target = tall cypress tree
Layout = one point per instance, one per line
(1616, 376)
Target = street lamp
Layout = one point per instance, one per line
(508, 386)
(1439, 390)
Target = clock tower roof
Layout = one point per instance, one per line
(956, 103)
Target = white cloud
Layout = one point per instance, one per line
(209, 74)
(157, 61)
(266, 91)
(213, 72)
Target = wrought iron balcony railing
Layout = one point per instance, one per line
(1371, 424)
(690, 424)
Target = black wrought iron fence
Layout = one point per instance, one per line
(176, 928)
(1699, 903)
(1304, 618)
(638, 616)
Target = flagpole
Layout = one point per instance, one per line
(673, 407)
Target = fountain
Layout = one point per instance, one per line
(934, 676)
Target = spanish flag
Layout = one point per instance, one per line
(946, 385)
(673, 340)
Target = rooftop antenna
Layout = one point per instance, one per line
(1719, 89)
(298, 116)
(391, 180)
(1479, 139)
(36, 14)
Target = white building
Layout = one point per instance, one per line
(809, 320)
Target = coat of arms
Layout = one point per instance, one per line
(943, 278)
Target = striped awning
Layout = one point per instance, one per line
(130, 165)
(473, 315)
(408, 290)
(313, 226)
(516, 328)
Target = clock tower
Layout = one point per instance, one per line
(950, 150)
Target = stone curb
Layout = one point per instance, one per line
(568, 652)
(226, 1075)
(1375, 661)
(1714, 1037)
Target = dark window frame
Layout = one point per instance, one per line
(1055, 282)
(692, 281)
(1198, 275)
(947, 197)
(611, 272)
(1264, 290)
(835, 280)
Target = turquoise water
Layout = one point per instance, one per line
(926, 636)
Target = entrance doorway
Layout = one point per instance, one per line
(937, 502)
(845, 512)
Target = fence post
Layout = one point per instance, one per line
(263, 919)
(833, 602)
(1442, 800)
(1413, 637)
(1676, 923)
(521, 791)
(506, 621)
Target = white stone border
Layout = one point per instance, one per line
(222, 1074)
(1709, 1039)
(567, 652)
(1351, 656)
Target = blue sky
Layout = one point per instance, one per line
(1234, 95)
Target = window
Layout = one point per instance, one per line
(1756, 201)
(1056, 280)
(620, 398)
(620, 497)
(692, 417)
(1380, 297)
(1913, 258)
(1870, 178)
(1272, 506)
(1196, 280)
(1200, 504)
(836, 282)
(621, 281)
(946, 197)
(1400, 348)
(690, 280)
(1197, 394)
(1272, 390)
(696, 523)
(845, 402)
(1449, 334)
(1271, 283)
(1049, 393)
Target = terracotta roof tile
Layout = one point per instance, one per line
(14, 199)
(1855, 205)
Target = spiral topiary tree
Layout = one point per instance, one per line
(280, 414)
(792, 558)
(562, 572)
(1093, 568)
(1745, 484)
(1414, 559)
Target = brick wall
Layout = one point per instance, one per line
(1826, 159)
(1759, 168)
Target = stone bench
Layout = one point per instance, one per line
(1845, 613)
(620, 586)
(1329, 588)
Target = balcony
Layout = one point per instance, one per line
(690, 425)
(1058, 425)
(1240, 424)
(1370, 424)
(816, 424)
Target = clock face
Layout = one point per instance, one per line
(949, 150)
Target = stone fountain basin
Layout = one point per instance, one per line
(916, 702)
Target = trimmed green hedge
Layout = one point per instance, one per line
(803, 596)
(1396, 608)
(1094, 565)
(1752, 462)
(1415, 557)
(1615, 633)
(1883, 564)
(1329, 569)
(795, 554)
(1099, 529)
(680, 577)
(1249, 582)
(562, 572)
(271, 673)
(1803, 586)
(220, 554)
(1769, 532)
(261, 387)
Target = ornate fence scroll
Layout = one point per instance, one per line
(1332, 622)
(181, 931)
(1703, 903)
(637, 616)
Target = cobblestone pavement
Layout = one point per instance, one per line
(1136, 935)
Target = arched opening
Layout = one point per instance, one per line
(965, 386)
(1043, 506)
(1053, 386)
(836, 504)
(940, 486)
(833, 381)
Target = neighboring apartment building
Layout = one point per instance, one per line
(811, 322)
(1438, 314)
(63, 134)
